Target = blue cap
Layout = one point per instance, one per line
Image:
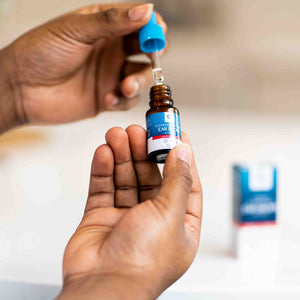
(151, 36)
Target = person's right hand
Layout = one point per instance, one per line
(75, 66)
(139, 232)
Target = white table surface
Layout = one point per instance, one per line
(44, 179)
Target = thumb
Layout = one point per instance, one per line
(114, 21)
(177, 179)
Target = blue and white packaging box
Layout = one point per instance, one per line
(254, 209)
(254, 194)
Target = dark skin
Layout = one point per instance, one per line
(74, 66)
(139, 232)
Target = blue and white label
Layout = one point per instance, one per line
(163, 131)
(255, 194)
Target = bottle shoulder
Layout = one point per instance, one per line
(162, 109)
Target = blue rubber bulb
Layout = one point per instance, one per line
(151, 36)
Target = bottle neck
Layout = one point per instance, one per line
(160, 95)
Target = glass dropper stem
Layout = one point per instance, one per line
(156, 68)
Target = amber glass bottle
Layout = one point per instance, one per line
(163, 123)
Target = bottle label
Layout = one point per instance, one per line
(163, 131)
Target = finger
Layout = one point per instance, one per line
(131, 44)
(101, 190)
(124, 174)
(116, 101)
(94, 8)
(137, 78)
(177, 181)
(148, 175)
(114, 21)
(91, 9)
(130, 89)
(194, 203)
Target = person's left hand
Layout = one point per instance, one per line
(139, 232)
(76, 65)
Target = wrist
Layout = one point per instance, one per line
(9, 93)
(108, 286)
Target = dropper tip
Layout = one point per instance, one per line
(156, 68)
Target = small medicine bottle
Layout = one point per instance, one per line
(163, 124)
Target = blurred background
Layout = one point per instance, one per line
(234, 68)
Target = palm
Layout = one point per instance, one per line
(122, 242)
(116, 232)
(101, 242)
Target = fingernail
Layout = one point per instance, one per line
(135, 86)
(111, 100)
(140, 12)
(184, 153)
(115, 101)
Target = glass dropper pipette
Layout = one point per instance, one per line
(156, 68)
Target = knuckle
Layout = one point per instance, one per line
(110, 16)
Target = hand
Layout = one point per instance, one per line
(76, 66)
(139, 233)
